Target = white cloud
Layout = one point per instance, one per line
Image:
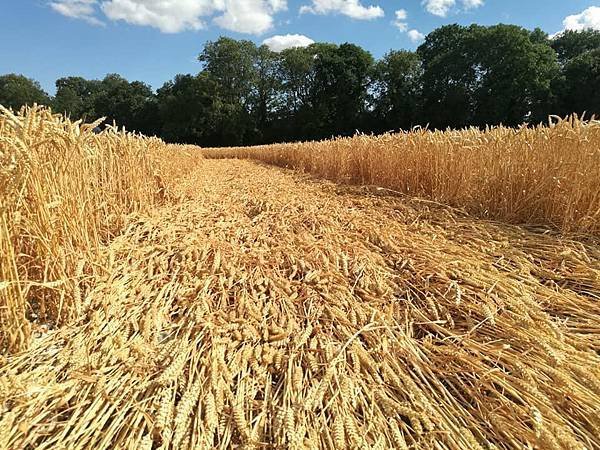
(174, 16)
(249, 16)
(588, 19)
(400, 21)
(350, 8)
(401, 14)
(278, 43)
(169, 16)
(439, 7)
(77, 9)
(472, 4)
(402, 26)
(415, 36)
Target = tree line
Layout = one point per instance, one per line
(246, 94)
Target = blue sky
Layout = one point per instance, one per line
(152, 40)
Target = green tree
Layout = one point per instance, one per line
(266, 96)
(189, 110)
(18, 90)
(449, 76)
(340, 88)
(397, 89)
(230, 64)
(487, 75)
(515, 69)
(132, 105)
(570, 44)
(323, 91)
(245, 94)
(75, 97)
(577, 89)
(296, 75)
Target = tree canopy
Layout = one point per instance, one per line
(18, 90)
(247, 94)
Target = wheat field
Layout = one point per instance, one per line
(532, 175)
(166, 297)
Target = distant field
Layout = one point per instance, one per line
(538, 176)
(153, 296)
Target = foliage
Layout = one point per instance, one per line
(75, 97)
(486, 75)
(570, 44)
(576, 88)
(397, 91)
(246, 94)
(18, 90)
(449, 77)
(191, 109)
(582, 80)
